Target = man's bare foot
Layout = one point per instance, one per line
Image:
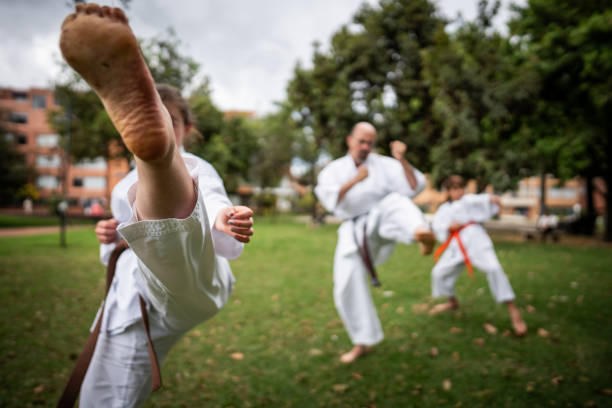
(426, 240)
(452, 304)
(518, 324)
(354, 354)
(99, 44)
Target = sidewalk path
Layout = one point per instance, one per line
(23, 231)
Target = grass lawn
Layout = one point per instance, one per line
(282, 322)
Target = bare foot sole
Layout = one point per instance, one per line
(98, 43)
(354, 354)
(443, 307)
(426, 240)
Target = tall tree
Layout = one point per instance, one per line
(571, 45)
(15, 174)
(480, 87)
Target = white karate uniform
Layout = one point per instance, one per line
(180, 268)
(475, 208)
(383, 202)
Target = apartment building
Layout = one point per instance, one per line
(25, 123)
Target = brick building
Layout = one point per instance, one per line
(24, 120)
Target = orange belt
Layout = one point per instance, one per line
(455, 235)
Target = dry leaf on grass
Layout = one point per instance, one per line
(39, 389)
(237, 356)
(530, 308)
(543, 332)
(606, 391)
(456, 357)
(388, 293)
(357, 376)
(399, 310)
(447, 385)
(455, 330)
(556, 380)
(489, 328)
(315, 352)
(530, 386)
(479, 341)
(340, 388)
(420, 307)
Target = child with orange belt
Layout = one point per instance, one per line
(457, 224)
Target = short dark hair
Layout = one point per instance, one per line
(172, 95)
(453, 181)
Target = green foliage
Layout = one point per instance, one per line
(480, 87)
(276, 140)
(14, 172)
(281, 317)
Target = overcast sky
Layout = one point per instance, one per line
(247, 48)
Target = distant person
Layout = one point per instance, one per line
(372, 194)
(28, 206)
(171, 213)
(548, 224)
(457, 223)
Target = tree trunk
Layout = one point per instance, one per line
(543, 192)
(608, 179)
(590, 215)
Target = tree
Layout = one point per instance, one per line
(480, 87)
(14, 172)
(570, 44)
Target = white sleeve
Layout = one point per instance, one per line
(328, 188)
(105, 252)
(215, 199)
(441, 221)
(479, 207)
(399, 182)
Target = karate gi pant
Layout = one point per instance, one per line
(185, 283)
(120, 371)
(483, 257)
(394, 219)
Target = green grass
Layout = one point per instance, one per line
(281, 317)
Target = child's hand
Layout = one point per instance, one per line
(495, 200)
(236, 222)
(106, 231)
(455, 226)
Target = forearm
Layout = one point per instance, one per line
(345, 189)
(409, 173)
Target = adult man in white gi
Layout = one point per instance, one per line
(372, 194)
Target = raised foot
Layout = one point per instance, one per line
(426, 240)
(443, 307)
(99, 44)
(354, 354)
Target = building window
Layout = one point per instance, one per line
(9, 137)
(18, 117)
(94, 183)
(39, 101)
(77, 182)
(52, 161)
(99, 163)
(22, 139)
(47, 182)
(47, 140)
(20, 96)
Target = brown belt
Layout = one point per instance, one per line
(364, 251)
(71, 392)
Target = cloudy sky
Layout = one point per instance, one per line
(247, 48)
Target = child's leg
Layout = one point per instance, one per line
(443, 278)
(486, 260)
(98, 43)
